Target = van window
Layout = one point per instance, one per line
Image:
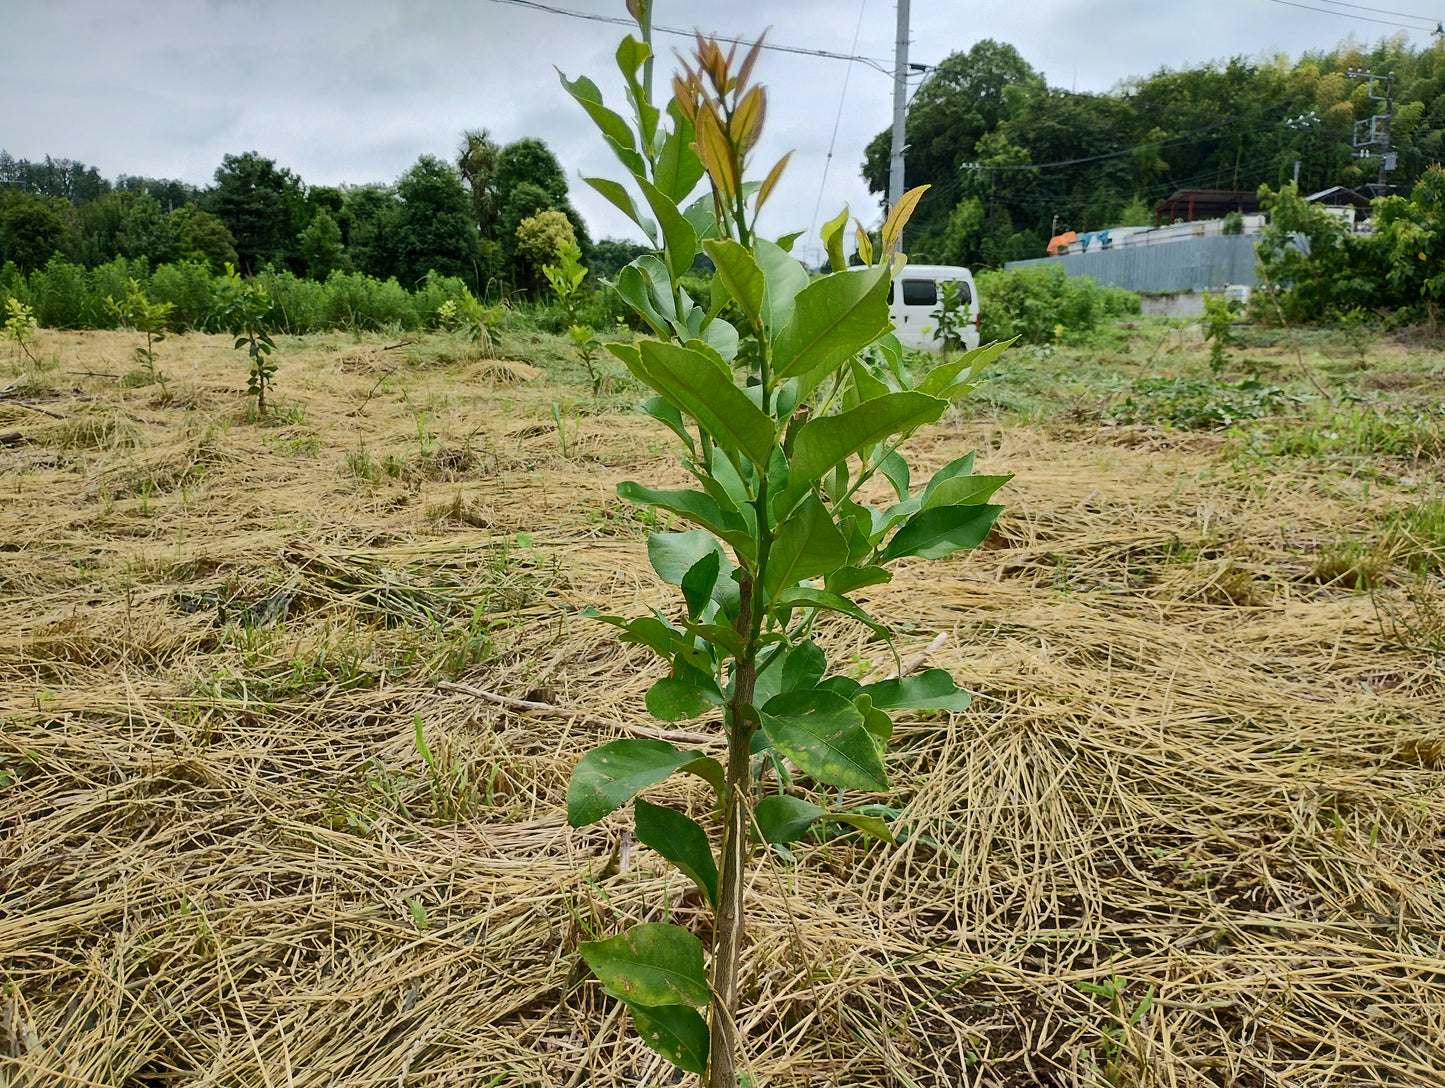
(965, 296)
(920, 293)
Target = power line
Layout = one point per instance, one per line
(1346, 15)
(877, 65)
(1376, 11)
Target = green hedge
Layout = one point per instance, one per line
(69, 296)
(1042, 305)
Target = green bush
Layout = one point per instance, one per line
(1042, 305)
(432, 294)
(62, 297)
(190, 288)
(13, 284)
(360, 303)
(297, 304)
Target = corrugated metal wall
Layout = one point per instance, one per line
(1194, 264)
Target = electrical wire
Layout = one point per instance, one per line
(1346, 15)
(617, 20)
(838, 120)
(1376, 11)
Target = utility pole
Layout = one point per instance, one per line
(1375, 131)
(900, 107)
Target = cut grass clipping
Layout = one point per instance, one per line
(1190, 833)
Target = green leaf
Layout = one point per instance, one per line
(651, 964)
(930, 690)
(959, 466)
(710, 771)
(617, 131)
(721, 337)
(678, 168)
(720, 635)
(621, 199)
(803, 597)
(634, 288)
(700, 581)
(942, 378)
(870, 825)
(678, 233)
(783, 818)
(823, 733)
(703, 217)
(895, 468)
(676, 1032)
(875, 721)
(963, 491)
(662, 410)
(698, 507)
(829, 440)
(681, 841)
(808, 543)
(836, 317)
(676, 698)
(932, 534)
(783, 278)
(672, 555)
(832, 235)
(740, 273)
(613, 774)
(651, 631)
(847, 579)
(803, 666)
(694, 382)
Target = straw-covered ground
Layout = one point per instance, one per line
(289, 708)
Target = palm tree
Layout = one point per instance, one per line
(477, 161)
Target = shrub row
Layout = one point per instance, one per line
(68, 296)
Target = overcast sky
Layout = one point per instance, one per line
(355, 90)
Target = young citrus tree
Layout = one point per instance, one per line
(152, 319)
(246, 312)
(788, 464)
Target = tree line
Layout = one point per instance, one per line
(490, 218)
(1012, 160)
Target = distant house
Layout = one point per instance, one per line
(1187, 205)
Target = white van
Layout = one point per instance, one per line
(915, 297)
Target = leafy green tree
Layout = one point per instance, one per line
(246, 310)
(609, 256)
(127, 224)
(31, 231)
(541, 239)
(782, 534)
(263, 207)
(151, 319)
(1413, 233)
(433, 228)
(200, 236)
(523, 164)
(368, 224)
(319, 245)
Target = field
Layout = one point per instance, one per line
(289, 708)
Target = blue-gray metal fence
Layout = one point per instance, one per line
(1192, 264)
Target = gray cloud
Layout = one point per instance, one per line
(355, 90)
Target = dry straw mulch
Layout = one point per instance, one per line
(1191, 832)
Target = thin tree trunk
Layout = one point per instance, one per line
(729, 929)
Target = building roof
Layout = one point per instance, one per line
(1337, 196)
(1191, 204)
